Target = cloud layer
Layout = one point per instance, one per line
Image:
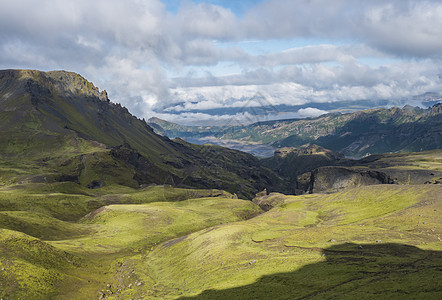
(197, 56)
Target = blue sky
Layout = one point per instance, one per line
(238, 7)
(180, 60)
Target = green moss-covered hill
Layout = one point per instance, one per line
(64, 241)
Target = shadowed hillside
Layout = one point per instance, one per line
(351, 271)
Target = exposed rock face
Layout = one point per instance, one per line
(436, 109)
(331, 179)
(40, 84)
(434, 181)
(402, 167)
(303, 184)
(145, 171)
(72, 83)
(96, 184)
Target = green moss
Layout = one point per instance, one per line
(31, 268)
(219, 248)
(41, 225)
(135, 227)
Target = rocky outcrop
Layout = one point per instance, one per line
(332, 179)
(267, 202)
(290, 162)
(436, 109)
(71, 83)
(145, 171)
(96, 184)
(434, 181)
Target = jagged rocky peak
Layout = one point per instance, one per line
(412, 110)
(74, 83)
(63, 82)
(436, 109)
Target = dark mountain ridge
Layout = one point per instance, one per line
(60, 120)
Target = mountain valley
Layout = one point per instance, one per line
(94, 204)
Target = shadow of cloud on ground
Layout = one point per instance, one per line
(350, 271)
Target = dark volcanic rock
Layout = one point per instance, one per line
(145, 171)
(290, 162)
(67, 177)
(434, 181)
(436, 109)
(331, 179)
(96, 184)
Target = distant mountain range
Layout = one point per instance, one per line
(354, 134)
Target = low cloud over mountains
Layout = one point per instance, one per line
(179, 59)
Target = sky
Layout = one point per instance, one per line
(208, 62)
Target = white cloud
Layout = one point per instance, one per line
(129, 47)
(310, 112)
(410, 28)
(206, 21)
(401, 27)
(190, 118)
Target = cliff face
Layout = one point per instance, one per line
(291, 162)
(333, 178)
(436, 109)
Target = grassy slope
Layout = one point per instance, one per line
(232, 170)
(162, 242)
(48, 251)
(39, 109)
(301, 249)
